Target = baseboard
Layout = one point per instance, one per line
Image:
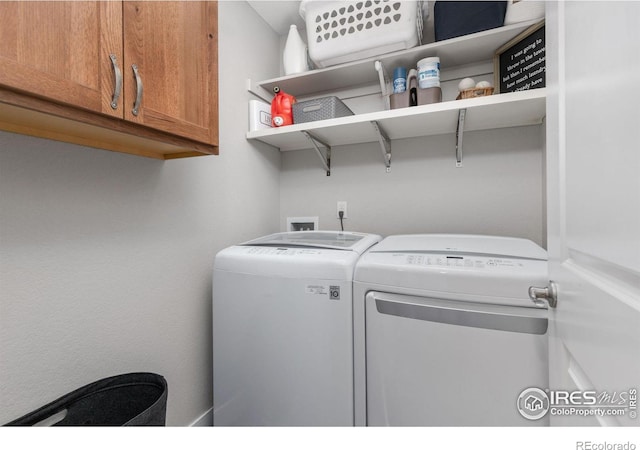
(205, 420)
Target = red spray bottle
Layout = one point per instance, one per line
(282, 108)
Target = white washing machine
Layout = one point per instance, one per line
(283, 329)
(445, 333)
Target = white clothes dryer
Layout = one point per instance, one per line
(283, 329)
(445, 333)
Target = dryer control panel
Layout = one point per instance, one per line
(471, 262)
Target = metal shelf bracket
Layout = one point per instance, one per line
(385, 145)
(459, 135)
(317, 143)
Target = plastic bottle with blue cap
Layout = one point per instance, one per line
(399, 80)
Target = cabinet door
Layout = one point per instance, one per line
(60, 51)
(174, 47)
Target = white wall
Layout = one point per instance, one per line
(105, 258)
(498, 191)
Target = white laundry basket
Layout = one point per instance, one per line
(344, 31)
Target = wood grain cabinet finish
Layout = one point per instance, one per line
(60, 50)
(172, 44)
(58, 74)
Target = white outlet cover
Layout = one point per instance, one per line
(342, 206)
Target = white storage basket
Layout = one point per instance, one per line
(344, 31)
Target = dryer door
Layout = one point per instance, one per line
(434, 362)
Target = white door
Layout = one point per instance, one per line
(593, 145)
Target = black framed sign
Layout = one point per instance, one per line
(520, 64)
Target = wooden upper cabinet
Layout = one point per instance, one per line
(61, 51)
(59, 62)
(174, 47)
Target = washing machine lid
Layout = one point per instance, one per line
(334, 240)
(497, 270)
(328, 255)
(462, 244)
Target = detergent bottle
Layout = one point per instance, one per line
(294, 58)
(282, 108)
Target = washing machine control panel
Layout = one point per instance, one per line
(282, 251)
(458, 261)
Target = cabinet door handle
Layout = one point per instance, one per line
(136, 105)
(118, 75)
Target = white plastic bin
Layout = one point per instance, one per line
(345, 31)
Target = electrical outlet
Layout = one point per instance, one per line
(342, 206)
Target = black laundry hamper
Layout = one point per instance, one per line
(132, 399)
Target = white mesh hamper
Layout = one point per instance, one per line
(344, 31)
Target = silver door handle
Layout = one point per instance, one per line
(136, 105)
(468, 316)
(543, 295)
(118, 86)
